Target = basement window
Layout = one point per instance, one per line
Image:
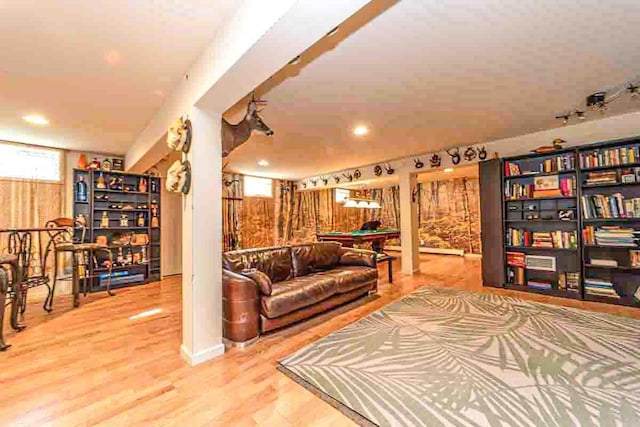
(19, 161)
(257, 187)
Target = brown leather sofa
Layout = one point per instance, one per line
(268, 288)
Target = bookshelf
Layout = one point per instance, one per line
(541, 224)
(610, 204)
(571, 222)
(118, 203)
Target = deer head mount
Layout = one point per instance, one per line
(377, 170)
(314, 182)
(234, 136)
(357, 174)
(455, 155)
(348, 176)
(390, 170)
(418, 163)
(336, 178)
(482, 153)
(325, 180)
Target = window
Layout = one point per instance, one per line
(341, 195)
(25, 162)
(257, 187)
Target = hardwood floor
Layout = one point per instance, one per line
(97, 365)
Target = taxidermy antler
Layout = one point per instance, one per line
(234, 136)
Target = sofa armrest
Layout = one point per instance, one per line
(236, 286)
(240, 308)
(358, 257)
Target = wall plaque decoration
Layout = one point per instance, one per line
(455, 155)
(435, 160)
(469, 154)
(357, 174)
(377, 170)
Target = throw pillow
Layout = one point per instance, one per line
(263, 281)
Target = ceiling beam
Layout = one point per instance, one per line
(260, 38)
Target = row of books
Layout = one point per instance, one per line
(610, 157)
(563, 162)
(600, 178)
(566, 281)
(613, 206)
(611, 236)
(542, 239)
(564, 188)
(600, 287)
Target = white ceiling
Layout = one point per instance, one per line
(55, 58)
(431, 74)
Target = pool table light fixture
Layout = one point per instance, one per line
(362, 203)
(263, 163)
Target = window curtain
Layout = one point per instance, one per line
(30, 204)
(285, 200)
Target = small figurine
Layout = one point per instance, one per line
(136, 258)
(101, 183)
(143, 254)
(94, 165)
(104, 221)
(120, 257)
(124, 220)
(129, 258)
(81, 220)
(106, 165)
(154, 186)
(142, 185)
(141, 220)
(113, 183)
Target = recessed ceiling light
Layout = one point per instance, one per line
(448, 170)
(34, 119)
(263, 163)
(360, 130)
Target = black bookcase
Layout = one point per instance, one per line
(574, 241)
(111, 197)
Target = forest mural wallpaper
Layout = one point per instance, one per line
(449, 214)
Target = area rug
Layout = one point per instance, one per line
(444, 357)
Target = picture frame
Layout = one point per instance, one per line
(551, 182)
(628, 178)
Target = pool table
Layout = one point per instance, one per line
(349, 238)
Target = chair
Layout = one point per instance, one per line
(68, 236)
(9, 262)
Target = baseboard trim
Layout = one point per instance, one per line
(201, 356)
(423, 250)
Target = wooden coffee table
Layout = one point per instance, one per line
(389, 260)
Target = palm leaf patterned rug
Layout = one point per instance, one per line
(444, 357)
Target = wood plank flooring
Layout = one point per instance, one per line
(97, 366)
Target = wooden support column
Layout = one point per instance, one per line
(202, 243)
(409, 222)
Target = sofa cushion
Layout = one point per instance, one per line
(349, 278)
(274, 262)
(314, 257)
(359, 257)
(296, 293)
(263, 281)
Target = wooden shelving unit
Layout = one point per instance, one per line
(112, 201)
(542, 214)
